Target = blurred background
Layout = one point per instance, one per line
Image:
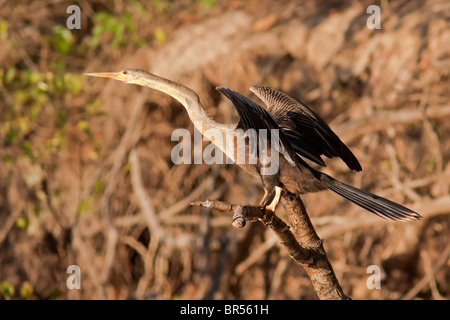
(86, 176)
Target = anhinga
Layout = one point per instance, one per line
(300, 133)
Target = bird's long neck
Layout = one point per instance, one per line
(221, 135)
(188, 98)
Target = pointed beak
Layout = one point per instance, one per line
(110, 75)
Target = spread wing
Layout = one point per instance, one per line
(307, 133)
(252, 116)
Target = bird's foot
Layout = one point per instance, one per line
(272, 206)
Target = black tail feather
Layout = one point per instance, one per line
(378, 205)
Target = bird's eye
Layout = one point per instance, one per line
(124, 72)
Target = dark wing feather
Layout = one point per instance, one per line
(308, 134)
(252, 116)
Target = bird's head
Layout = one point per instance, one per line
(126, 75)
(146, 79)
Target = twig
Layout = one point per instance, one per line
(15, 207)
(169, 213)
(381, 119)
(151, 218)
(427, 209)
(255, 255)
(87, 257)
(399, 186)
(278, 278)
(429, 276)
(119, 156)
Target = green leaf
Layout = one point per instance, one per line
(208, 3)
(26, 290)
(62, 39)
(6, 290)
(23, 222)
(3, 30)
(160, 35)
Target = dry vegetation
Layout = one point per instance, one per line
(86, 173)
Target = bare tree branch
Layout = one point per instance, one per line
(303, 244)
(318, 266)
